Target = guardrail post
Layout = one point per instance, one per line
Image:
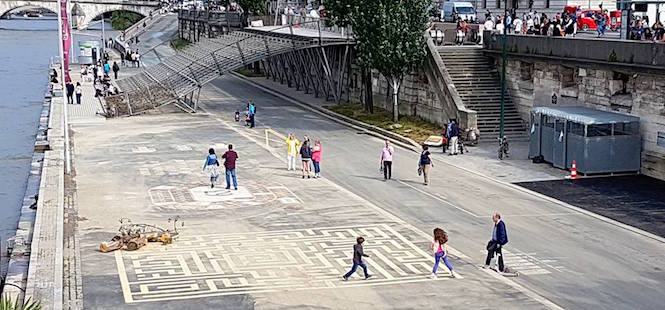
(242, 56)
(318, 26)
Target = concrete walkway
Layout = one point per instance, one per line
(481, 158)
(283, 242)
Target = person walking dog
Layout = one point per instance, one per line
(358, 255)
(499, 239)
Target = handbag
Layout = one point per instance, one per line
(491, 245)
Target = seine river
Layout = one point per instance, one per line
(26, 49)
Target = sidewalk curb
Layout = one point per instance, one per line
(339, 118)
(411, 145)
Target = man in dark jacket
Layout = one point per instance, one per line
(70, 92)
(115, 69)
(358, 255)
(499, 239)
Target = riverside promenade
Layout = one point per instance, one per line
(283, 242)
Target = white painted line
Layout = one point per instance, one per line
(122, 273)
(513, 186)
(435, 197)
(560, 203)
(535, 296)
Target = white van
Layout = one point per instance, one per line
(464, 10)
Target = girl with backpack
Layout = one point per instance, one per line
(440, 250)
(210, 167)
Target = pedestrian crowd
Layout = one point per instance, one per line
(532, 23)
(311, 154)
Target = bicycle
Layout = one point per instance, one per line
(503, 147)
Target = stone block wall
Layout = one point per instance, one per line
(416, 96)
(532, 83)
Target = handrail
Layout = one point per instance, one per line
(445, 88)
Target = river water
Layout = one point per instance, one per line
(26, 48)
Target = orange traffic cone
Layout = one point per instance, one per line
(573, 171)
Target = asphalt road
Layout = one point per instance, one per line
(575, 260)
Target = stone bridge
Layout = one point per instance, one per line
(84, 11)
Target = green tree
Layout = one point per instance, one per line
(340, 11)
(7, 304)
(121, 20)
(389, 36)
(251, 7)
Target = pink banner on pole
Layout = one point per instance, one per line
(66, 39)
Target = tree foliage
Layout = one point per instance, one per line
(389, 35)
(6, 304)
(340, 11)
(121, 20)
(251, 7)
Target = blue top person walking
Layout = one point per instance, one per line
(252, 113)
(210, 167)
(358, 255)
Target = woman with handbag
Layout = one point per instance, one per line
(424, 164)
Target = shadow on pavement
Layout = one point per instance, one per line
(634, 200)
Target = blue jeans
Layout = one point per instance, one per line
(317, 169)
(437, 258)
(355, 267)
(231, 173)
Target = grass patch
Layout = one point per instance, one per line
(249, 72)
(414, 128)
(179, 43)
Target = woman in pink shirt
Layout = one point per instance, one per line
(387, 161)
(316, 158)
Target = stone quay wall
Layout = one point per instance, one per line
(534, 82)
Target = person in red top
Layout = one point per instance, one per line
(230, 164)
(316, 158)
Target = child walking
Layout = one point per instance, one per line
(439, 248)
(210, 167)
(358, 255)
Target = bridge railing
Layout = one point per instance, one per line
(179, 78)
(129, 34)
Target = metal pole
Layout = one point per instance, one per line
(103, 35)
(65, 124)
(503, 69)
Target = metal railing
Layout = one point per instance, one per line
(181, 75)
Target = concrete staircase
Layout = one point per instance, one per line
(479, 85)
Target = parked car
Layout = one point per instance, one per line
(464, 10)
(586, 20)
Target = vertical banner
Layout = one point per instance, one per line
(66, 39)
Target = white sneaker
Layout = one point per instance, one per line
(433, 276)
(453, 274)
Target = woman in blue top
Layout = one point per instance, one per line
(210, 167)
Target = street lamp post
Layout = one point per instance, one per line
(503, 68)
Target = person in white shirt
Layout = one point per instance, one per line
(499, 26)
(529, 23)
(489, 25)
(517, 25)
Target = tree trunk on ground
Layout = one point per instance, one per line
(395, 85)
(367, 83)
